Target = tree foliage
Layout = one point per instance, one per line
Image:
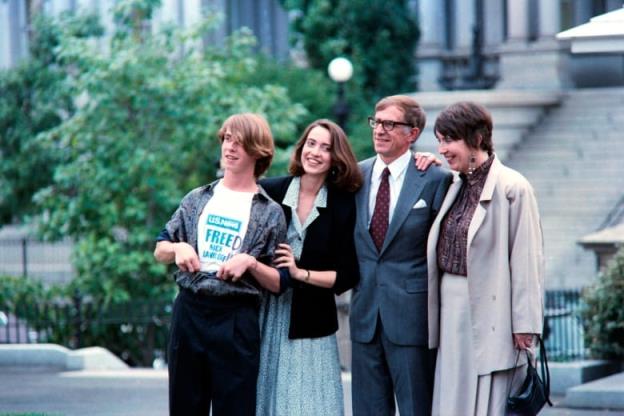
(142, 135)
(119, 128)
(604, 314)
(379, 36)
(34, 97)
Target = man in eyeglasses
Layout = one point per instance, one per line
(388, 316)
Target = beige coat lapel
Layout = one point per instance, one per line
(482, 207)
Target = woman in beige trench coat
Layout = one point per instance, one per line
(485, 260)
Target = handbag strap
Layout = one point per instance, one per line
(544, 370)
(510, 383)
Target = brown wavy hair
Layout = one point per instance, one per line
(344, 172)
(254, 133)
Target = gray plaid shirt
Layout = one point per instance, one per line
(266, 229)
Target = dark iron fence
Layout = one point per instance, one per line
(563, 329)
(136, 331)
(49, 261)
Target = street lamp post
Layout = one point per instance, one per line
(340, 70)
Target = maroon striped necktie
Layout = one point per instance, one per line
(379, 222)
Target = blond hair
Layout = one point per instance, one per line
(255, 136)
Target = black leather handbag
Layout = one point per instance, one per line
(535, 391)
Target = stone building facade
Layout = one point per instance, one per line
(518, 47)
(266, 18)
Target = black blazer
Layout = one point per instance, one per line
(328, 246)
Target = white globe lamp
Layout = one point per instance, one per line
(340, 69)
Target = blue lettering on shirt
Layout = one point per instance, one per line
(223, 222)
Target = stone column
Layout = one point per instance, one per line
(5, 36)
(464, 18)
(17, 39)
(431, 45)
(540, 64)
(517, 20)
(492, 23)
(549, 20)
(431, 22)
(281, 48)
(264, 25)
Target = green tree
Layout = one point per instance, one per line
(604, 314)
(34, 97)
(379, 36)
(143, 133)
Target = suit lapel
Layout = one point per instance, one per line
(361, 201)
(410, 192)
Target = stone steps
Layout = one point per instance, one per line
(514, 114)
(604, 393)
(580, 145)
(573, 159)
(570, 146)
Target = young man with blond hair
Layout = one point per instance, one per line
(222, 238)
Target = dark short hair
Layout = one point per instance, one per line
(255, 135)
(344, 172)
(469, 121)
(412, 111)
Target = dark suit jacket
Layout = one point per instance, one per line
(328, 246)
(393, 282)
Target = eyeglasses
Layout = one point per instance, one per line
(387, 125)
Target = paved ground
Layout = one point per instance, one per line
(127, 392)
(119, 393)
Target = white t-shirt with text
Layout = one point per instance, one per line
(222, 226)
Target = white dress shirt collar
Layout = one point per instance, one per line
(397, 167)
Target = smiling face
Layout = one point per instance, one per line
(316, 152)
(456, 152)
(234, 158)
(389, 145)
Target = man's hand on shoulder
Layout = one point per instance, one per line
(423, 160)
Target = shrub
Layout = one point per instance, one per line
(604, 313)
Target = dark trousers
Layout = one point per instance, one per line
(381, 369)
(214, 352)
